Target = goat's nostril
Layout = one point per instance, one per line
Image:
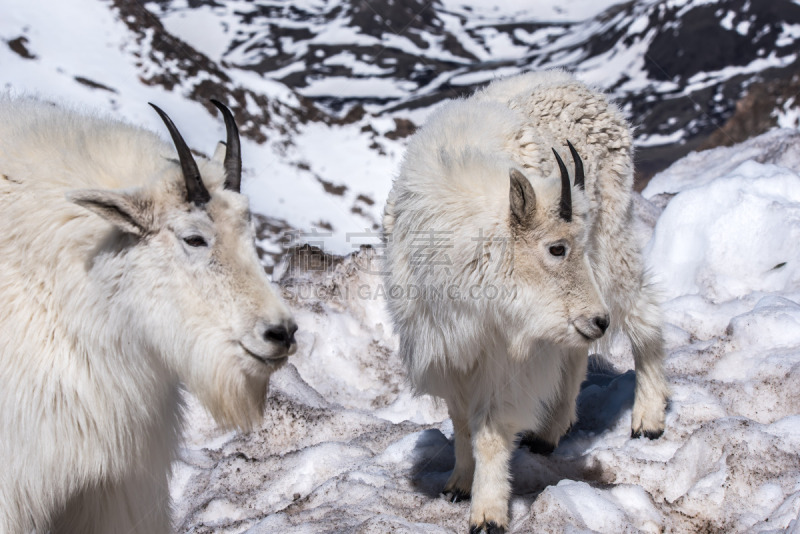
(277, 334)
(601, 322)
(281, 334)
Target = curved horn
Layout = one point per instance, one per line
(195, 190)
(578, 166)
(233, 151)
(565, 206)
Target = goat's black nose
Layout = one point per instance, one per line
(601, 322)
(281, 334)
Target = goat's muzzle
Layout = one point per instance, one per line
(591, 327)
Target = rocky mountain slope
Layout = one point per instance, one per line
(326, 91)
(677, 67)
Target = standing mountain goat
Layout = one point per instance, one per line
(123, 272)
(516, 271)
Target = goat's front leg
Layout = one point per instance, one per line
(491, 487)
(459, 486)
(643, 326)
(137, 505)
(562, 414)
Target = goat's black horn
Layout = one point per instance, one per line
(233, 151)
(195, 190)
(578, 166)
(565, 206)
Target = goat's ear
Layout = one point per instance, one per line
(127, 210)
(219, 153)
(522, 197)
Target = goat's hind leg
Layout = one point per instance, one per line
(642, 324)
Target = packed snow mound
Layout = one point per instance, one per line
(346, 447)
(730, 236)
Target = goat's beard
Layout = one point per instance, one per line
(231, 385)
(234, 397)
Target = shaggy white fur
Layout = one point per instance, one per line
(513, 292)
(106, 310)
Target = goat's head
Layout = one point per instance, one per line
(181, 258)
(550, 233)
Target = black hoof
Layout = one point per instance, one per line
(489, 528)
(537, 445)
(456, 495)
(649, 434)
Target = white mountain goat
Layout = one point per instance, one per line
(123, 272)
(501, 274)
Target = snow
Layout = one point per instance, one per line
(727, 21)
(357, 67)
(789, 115)
(54, 64)
(206, 26)
(789, 32)
(705, 79)
(346, 447)
(343, 87)
(542, 10)
(660, 139)
(483, 76)
(294, 187)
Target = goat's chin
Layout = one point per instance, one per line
(576, 340)
(566, 337)
(524, 345)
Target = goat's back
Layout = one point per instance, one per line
(47, 146)
(555, 108)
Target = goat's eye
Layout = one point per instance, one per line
(195, 241)
(558, 250)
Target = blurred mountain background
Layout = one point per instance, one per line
(326, 91)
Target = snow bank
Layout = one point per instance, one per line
(730, 236)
